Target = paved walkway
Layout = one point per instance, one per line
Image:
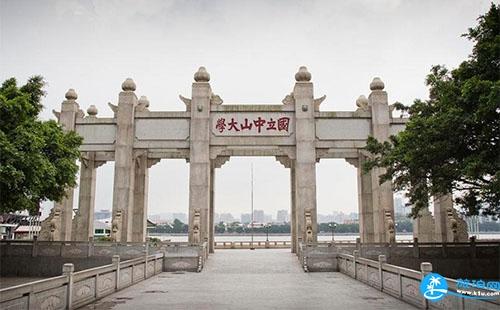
(244, 279)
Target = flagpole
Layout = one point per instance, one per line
(251, 203)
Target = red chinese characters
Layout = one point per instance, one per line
(258, 125)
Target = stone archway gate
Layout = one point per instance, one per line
(206, 134)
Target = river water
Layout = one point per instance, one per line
(286, 237)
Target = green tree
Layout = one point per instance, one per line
(451, 142)
(220, 228)
(37, 158)
(179, 227)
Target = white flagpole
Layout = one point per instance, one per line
(251, 203)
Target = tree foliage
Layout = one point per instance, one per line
(451, 142)
(37, 159)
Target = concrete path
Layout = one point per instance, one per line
(244, 279)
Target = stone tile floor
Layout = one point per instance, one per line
(244, 279)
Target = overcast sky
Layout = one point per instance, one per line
(252, 50)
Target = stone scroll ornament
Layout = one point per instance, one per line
(453, 224)
(390, 227)
(309, 226)
(196, 226)
(457, 226)
(116, 226)
(54, 224)
(49, 226)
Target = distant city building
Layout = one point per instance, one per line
(399, 206)
(103, 214)
(351, 221)
(322, 218)
(217, 219)
(268, 218)
(282, 216)
(246, 218)
(258, 216)
(226, 218)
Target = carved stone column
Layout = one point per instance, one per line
(289, 163)
(211, 224)
(123, 189)
(83, 222)
(199, 158)
(57, 227)
(441, 203)
(365, 199)
(424, 226)
(141, 185)
(449, 226)
(383, 204)
(305, 163)
(293, 207)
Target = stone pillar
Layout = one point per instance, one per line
(218, 162)
(305, 163)
(199, 158)
(442, 203)
(123, 189)
(383, 204)
(449, 226)
(83, 222)
(365, 199)
(423, 226)
(211, 228)
(293, 213)
(141, 185)
(57, 227)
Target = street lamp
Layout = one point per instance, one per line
(332, 227)
(267, 232)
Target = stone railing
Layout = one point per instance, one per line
(255, 244)
(318, 257)
(44, 258)
(183, 256)
(404, 283)
(75, 289)
(36, 248)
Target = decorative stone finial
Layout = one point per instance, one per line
(128, 85)
(71, 94)
(303, 75)
(202, 75)
(362, 101)
(377, 84)
(144, 101)
(92, 111)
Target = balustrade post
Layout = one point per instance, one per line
(34, 247)
(416, 249)
(146, 261)
(67, 271)
(425, 268)
(90, 247)
(116, 262)
(355, 254)
(381, 260)
(473, 248)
